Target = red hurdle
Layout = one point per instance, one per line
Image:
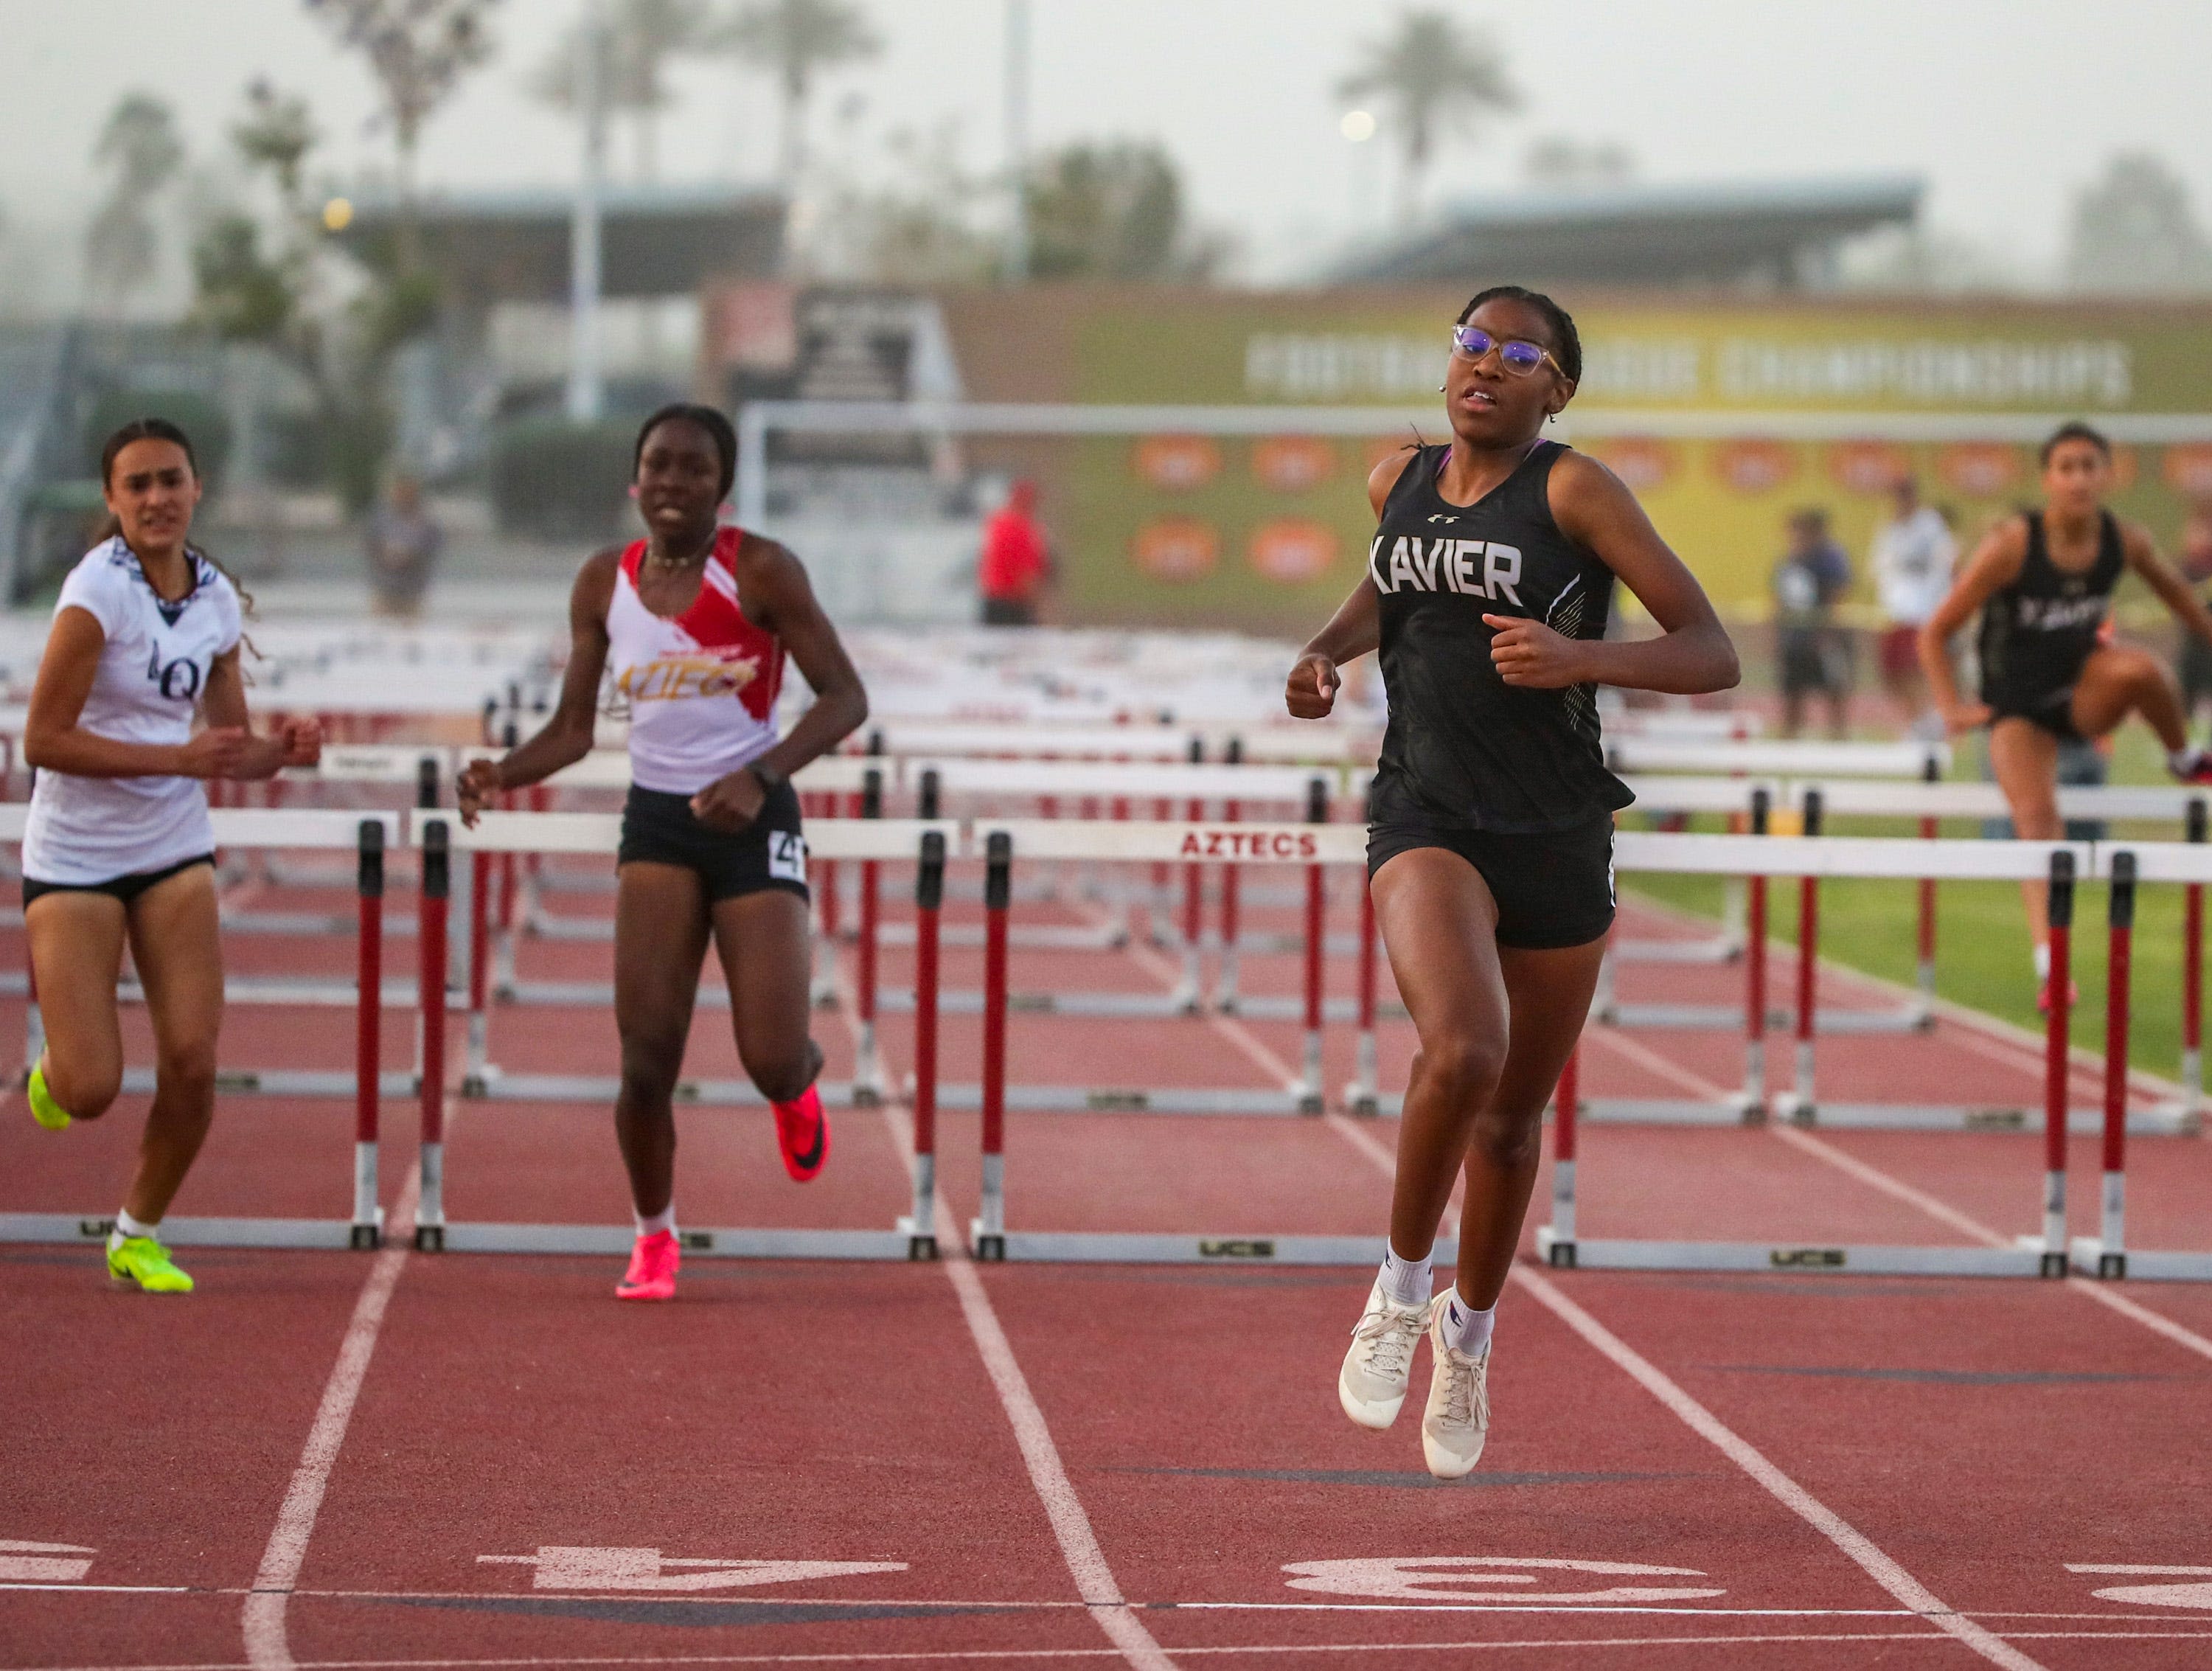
(368, 1037)
(435, 905)
(989, 1233)
(928, 903)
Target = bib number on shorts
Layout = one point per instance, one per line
(787, 857)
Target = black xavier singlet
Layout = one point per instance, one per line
(2037, 632)
(1464, 749)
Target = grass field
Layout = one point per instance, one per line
(1981, 947)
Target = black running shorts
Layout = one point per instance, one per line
(124, 888)
(659, 829)
(2051, 711)
(1554, 889)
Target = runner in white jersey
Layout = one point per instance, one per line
(146, 635)
(689, 628)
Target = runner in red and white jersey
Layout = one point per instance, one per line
(688, 628)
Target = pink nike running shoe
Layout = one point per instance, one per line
(653, 1266)
(802, 1133)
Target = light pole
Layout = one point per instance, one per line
(1018, 138)
(585, 381)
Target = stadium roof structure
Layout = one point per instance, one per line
(513, 246)
(1780, 235)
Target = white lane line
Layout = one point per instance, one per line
(1855, 1544)
(1071, 1526)
(1874, 1178)
(267, 1646)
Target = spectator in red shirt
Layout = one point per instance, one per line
(1016, 561)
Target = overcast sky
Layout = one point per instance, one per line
(2006, 106)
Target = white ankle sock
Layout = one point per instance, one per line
(1465, 1329)
(126, 1226)
(663, 1220)
(1406, 1281)
(2043, 963)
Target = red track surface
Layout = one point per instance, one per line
(1093, 1464)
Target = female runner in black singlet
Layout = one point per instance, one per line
(1489, 854)
(2043, 581)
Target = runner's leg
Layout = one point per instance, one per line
(762, 939)
(176, 943)
(76, 951)
(661, 942)
(2119, 679)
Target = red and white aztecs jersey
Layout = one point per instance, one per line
(700, 688)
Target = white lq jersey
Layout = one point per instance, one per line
(153, 668)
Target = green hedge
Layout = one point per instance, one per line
(558, 480)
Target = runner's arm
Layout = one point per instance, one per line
(566, 737)
(1355, 630)
(778, 594)
(1691, 654)
(222, 705)
(54, 741)
(1996, 564)
(2164, 578)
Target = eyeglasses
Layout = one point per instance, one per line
(1519, 358)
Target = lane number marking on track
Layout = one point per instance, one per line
(2150, 1596)
(571, 1567)
(1453, 1578)
(24, 1562)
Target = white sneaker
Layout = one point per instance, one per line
(1371, 1386)
(1457, 1420)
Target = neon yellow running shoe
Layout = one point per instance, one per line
(142, 1259)
(43, 1110)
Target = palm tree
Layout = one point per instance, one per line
(793, 40)
(642, 36)
(140, 142)
(1436, 79)
(418, 50)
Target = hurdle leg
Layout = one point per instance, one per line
(825, 973)
(988, 1233)
(1310, 1096)
(1225, 987)
(430, 1212)
(1186, 992)
(869, 1087)
(920, 1227)
(1754, 1001)
(1924, 974)
(2055, 1064)
(2110, 1249)
(1362, 1095)
(1555, 1241)
(477, 1071)
(1734, 906)
(368, 1038)
(2192, 983)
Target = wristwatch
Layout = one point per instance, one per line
(767, 777)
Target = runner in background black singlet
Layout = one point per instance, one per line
(1490, 854)
(2043, 581)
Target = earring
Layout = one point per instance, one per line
(1441, 387)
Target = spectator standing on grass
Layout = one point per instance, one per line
(1810, 652)
(1912, 557)
(2195, 657)
(404, 542)
(1016, 561)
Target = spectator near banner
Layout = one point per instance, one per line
(1810, 652)
(1016, 561)
(1912, 557)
